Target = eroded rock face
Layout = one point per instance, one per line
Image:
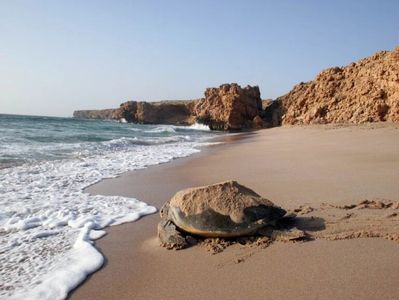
(365, 91)
(162, 112)
(229, 107)
(226, 209)
(95, 114)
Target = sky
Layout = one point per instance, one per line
(59, 56)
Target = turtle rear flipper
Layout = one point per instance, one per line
(284, 235)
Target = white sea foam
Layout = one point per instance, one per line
(198, 126)
(96, 234)
(47, 222)
(161, 129)
(174, 129)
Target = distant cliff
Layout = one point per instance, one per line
(176, 112)
(95, 114)
(165, 112)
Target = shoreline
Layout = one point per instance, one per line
(137, 267)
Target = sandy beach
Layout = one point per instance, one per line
(324, 168)
(199, 150)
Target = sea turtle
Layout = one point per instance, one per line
(224, 210)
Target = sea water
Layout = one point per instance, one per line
(47, 222)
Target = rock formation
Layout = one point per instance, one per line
(365, 91)
(230, 107)
(161, 112)
(95, 114)
(174, 112)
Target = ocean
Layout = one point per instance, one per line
(47, 222)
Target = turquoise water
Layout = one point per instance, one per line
(33, 138)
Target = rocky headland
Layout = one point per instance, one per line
(364, 91)
(176, 112)
(228, 107)
(95, 114)
(173, 112)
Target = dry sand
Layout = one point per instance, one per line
(323, 173)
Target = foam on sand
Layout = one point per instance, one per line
(73, 268)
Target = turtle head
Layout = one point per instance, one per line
(164, 211)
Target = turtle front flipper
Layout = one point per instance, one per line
(170, 237)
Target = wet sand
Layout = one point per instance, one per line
(314, 167)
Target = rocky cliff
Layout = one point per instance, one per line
(365, 91)
(230, 107)
(161, 112)
(95, 114)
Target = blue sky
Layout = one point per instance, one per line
(57, 56)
